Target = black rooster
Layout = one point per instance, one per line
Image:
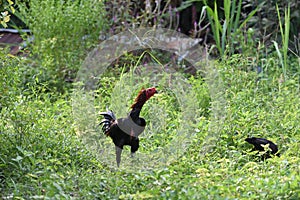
(125, 131)
(261, 143)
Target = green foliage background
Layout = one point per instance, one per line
(42, 157)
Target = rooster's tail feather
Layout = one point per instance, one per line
(109, 118)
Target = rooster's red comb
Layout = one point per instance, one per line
(144, 95)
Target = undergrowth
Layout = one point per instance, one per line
(43, 157)
(189, 150)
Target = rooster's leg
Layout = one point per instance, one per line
(134, 146)
(118, 155)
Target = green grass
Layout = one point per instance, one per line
(285, 39)
(226, 32)
(193, 146)
(43, 155)
(63, 34)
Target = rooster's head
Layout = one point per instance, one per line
(143, 96)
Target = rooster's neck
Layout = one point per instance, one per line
(138, 105)
(135, 112)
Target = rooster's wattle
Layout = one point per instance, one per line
(125, 131)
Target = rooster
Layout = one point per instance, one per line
(125, 131)
(261, 143)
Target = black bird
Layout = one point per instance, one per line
(259, 145)
(125, 131)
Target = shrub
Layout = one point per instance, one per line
(63, 31)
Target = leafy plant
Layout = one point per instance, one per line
(10, 78)
(6, 6)
(225, 32)
(265, 22)
(284, 38)
(127, 14)
(63, 32)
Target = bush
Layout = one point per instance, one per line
(63, 31)
(10, 79)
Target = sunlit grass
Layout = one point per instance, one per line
(43, 156)
(285, 32)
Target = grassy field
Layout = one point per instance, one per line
(194, 143)
(43, 155)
